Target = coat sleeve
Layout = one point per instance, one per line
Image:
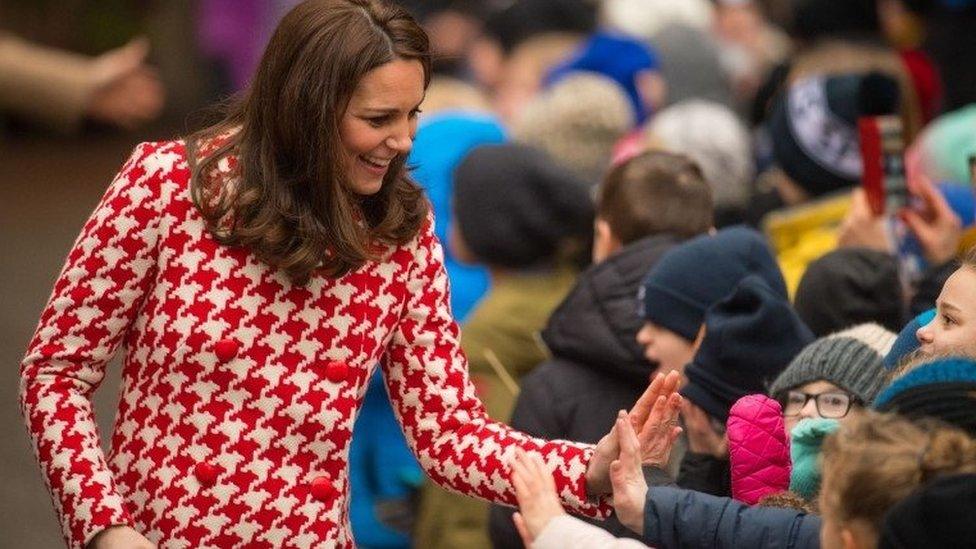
(675, 517)
(445, 424)
(566, 531)
(94, 301)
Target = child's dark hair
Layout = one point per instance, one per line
(655, 192)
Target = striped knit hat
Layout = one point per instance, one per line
(850, 359)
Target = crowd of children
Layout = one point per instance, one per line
(681, 192)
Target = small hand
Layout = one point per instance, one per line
(120, 537)
(535, 491)
(862, 229)
(702, 437)
(937, 227)
(629, 486)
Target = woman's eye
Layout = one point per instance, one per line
(414, 113)
(947, 320)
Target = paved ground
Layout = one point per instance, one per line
(48, 187)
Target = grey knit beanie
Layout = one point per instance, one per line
(850, 359)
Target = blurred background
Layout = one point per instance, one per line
(83, 81)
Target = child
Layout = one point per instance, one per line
(876, 460)
(691, 278)
(645, 207)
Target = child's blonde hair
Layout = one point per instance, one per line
(875, 460)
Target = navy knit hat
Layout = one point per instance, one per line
(750, 337)
(939, 514)
(813, 128)
(692, 277)
(944, 389)
(907, 341)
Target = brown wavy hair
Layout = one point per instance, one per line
(875, 460)
(285, 197)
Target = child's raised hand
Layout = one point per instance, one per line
(627, 478)
(702, 437)
(535, 491)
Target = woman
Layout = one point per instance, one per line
(255, 276)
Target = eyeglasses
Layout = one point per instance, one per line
(829, 405)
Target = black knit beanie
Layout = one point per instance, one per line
(850, 286)
(516, 208)
(750, 337)
(690, 278)
(939, 514)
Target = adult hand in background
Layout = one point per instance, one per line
(127, 92)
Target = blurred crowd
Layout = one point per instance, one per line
(632, 187)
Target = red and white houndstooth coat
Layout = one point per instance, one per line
(240, 389)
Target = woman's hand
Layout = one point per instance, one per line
(629, 486)
(702, 437)
(120, 537)
(654, 430)
(535, 491)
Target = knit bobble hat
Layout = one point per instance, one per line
(851, 360)
(943, 389)
(577, 121)
(690, 278)
(849, 286)
(813, 128)
(617, 57)
(514, 207)
(907, 341)
(805, 443)
(939, 514)
(750, 336)
(714, 137)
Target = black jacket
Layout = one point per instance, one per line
(597, 367)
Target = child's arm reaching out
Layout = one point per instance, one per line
(542, 523)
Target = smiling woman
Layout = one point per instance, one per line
(255, 275)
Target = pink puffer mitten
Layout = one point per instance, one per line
(759, 449)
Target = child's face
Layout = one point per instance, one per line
(953, 330)
(793, 411)
(668, 349)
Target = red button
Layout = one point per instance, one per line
(226, 349)
(336, 371)
(323, 490)
(206, 473)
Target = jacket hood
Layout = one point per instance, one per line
(597, 324)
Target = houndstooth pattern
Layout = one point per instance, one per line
(239, 389)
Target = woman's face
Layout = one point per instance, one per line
(380, 122)
(953, 330)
